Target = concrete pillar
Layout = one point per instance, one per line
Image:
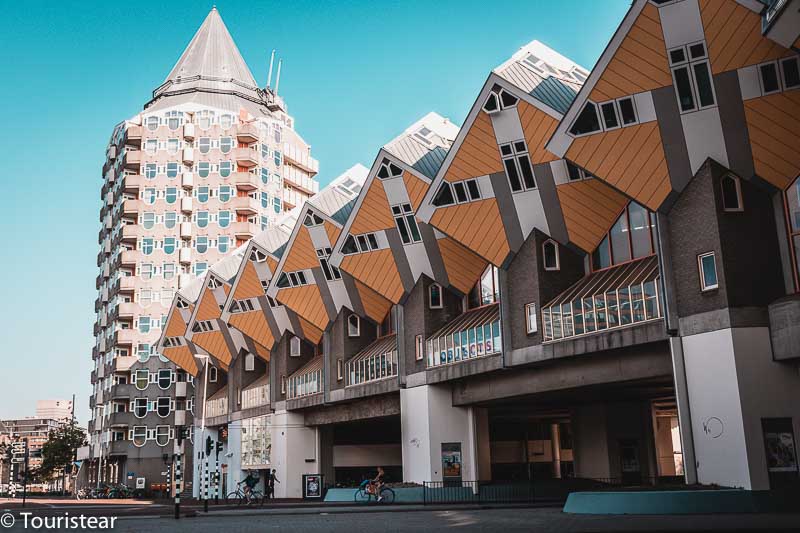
(590, 446)
(428, 419)
(232, 456)
(733, 384)
(555, 441)
(326, 453)
(684, 410)
(294, 452)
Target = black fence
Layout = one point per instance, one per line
(477, 492)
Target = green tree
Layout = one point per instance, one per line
(59, 450)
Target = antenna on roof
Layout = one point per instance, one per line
(271, 61)
(278, 77)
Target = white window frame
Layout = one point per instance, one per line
(419, 347)
(544, 256)
(294, 347)
(404, 216)
(738, 184)
(515, 156)
(440, 305)
(531, 321)
(701, 270)
(213, 374)
(689, 63)
(339, 370)
(353, 328)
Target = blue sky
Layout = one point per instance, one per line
(355, 74)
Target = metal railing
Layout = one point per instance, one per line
(435, 492)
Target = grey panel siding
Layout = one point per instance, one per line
(508, 212)
(434, 254)
(672, 138)
(325, 292)
(400, 259)
(734, 124)
(352, 292)
(549, 197)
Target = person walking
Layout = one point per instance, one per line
(272, 478)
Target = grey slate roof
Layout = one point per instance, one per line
(544, 74)
(424, 154)
(336, 200)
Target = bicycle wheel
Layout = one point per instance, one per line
(361, 496)
(387, 495)
(234, 497)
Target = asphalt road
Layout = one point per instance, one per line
(356, 520)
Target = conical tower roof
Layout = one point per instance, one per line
(211, 71)
(212, 53)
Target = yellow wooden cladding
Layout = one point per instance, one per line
(209, 308)
(176, 327)
(773, 125)
(640, 63)
(253, 324)
(374, 213)
(630, 159)
(248, 286)
(309, 331)
(476, 225)
(375, 306)
(537, 126)
(733, 36)
(590, 208)
(416, 189)
(478, 154)
(301, 254)
(306, 301)
(463, 267)
(182, 356)
(272, 263)
(214, 343)
(378, 271)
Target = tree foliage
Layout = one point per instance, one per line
(59, 450)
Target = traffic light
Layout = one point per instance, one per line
(219, 448)
(208, 446)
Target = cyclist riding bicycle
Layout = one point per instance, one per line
(250, 483)
(374, 486)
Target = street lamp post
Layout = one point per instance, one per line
(203, 475)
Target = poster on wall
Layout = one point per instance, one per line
(312, 486)
(451, 461)
(779, 445)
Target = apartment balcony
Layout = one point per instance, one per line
(98, 281)
(187, 180)
(132, 183)
(103, 320)
(188, 156)
(131, 208)
(188, 131)
(126, 310)
(119, 447)
(126, 284)
(94, 374)
(130, 232)
(186, 230)
(132, 159)
(245, 230)
(109, 223)
(128, 258)
(186, 204)
(133, 135)
(300, 180)
(98, 304)
(92, 401)
(181, 388)
(184, 280)
(246, 181)
(122, 420)
(124, 363)
(185, 256)
(245, 205)
(104, 295)
(299, 157)
(247, 132)
(246, 157)
(111, 153)
(124, 391)
(125, 337)
(180, 417)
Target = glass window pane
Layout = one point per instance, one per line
(566, 320)
(577, 316)
(637, 303)
(600, 311)
(612, 316)
(704, 89)
(650, 299)
(625, 307)
(620, 248)
(601, 258)
(555, 317)
(588, 315)
(640, 230)
(498, 345)
(709, 271)
(684, 88)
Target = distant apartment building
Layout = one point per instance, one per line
(33, 430)
(54, 409)
(210, 161)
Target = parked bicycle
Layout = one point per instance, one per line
(364, 493)
(241, 497)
